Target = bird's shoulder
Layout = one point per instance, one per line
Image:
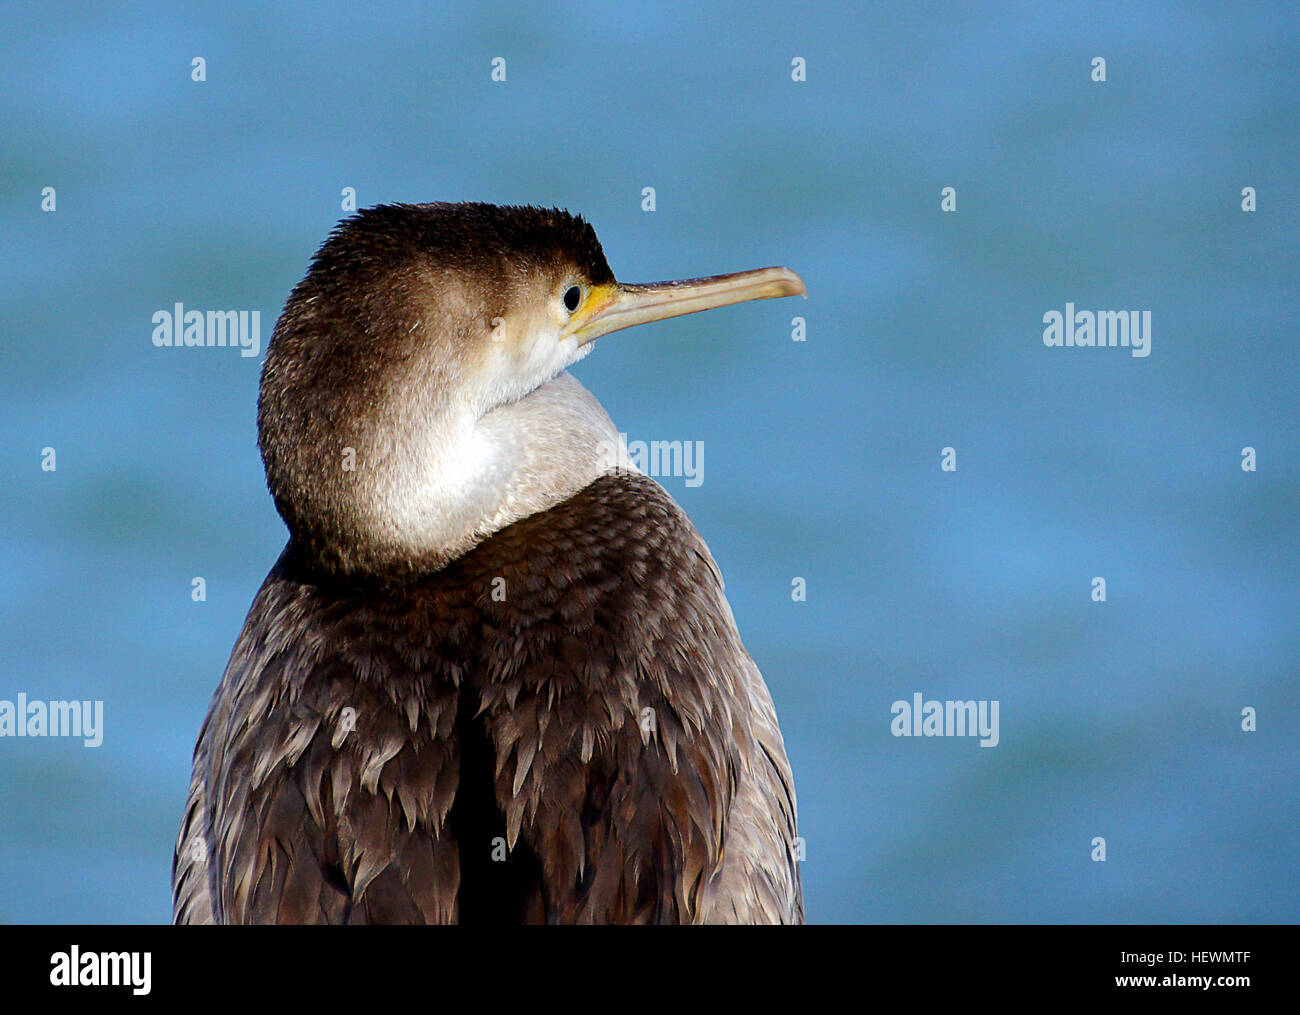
(621, 542)
(325, 769)
(636, 743)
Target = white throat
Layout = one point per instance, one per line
(456, 479)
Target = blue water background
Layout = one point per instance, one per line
(822, 458)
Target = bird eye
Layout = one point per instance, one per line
(572, 298)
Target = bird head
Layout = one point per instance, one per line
(414, 399)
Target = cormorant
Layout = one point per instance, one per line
(493, 677)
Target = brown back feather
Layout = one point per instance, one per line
(482, 725)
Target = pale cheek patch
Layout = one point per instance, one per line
(521, 353)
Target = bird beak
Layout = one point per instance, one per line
(616, 306)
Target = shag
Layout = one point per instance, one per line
(493, 677)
